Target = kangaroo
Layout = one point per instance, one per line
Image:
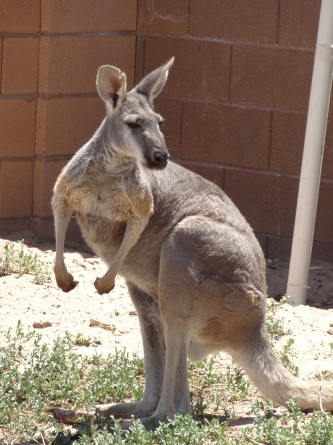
(193, 266)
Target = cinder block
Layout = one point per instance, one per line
(164, 16)
(20, 65)
(262, 241)
(68, 65)
(44, 229)
(278, 247)
(328, 151)
(226, 135)
(139, 58)
(287, 142)
(45, 175)
(88, 16)
(15, 189)
(65, 124)
(235, 20)
(201, 69)
(1, 45)
(323, 229)
(268, 201)
(17, 129)
(171, 110)
(14, 225)
(322, 251)
(299, 22)
(277, 78)
(19, 16)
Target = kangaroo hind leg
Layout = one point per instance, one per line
(154, 359)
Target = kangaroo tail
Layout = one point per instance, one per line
(274, 381)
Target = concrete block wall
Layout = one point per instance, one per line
(235, 102)
(50, 52)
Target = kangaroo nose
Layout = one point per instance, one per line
(161, 158)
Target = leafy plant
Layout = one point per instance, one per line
(324, 375)
(19, 261)
(284, 357)
(292, 427)
(34, 376)
(274, 324)
(80, 340)
(30, 381)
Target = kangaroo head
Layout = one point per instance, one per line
(134, 127)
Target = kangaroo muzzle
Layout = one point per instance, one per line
(158, 159)
(161, 158)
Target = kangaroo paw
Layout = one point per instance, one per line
(103, 286)
(124, 410)
(66, 283)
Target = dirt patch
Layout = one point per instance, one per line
(111, 323)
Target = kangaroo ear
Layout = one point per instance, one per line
(153, 83)
(111, 85)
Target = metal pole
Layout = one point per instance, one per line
(312, 158)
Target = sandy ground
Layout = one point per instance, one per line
(118, 327)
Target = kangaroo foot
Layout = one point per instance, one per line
(124, 410)
(103, 286)
(150, 423)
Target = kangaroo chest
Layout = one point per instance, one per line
(105, 205)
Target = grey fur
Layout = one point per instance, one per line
(194, 269)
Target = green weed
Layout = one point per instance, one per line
(34, 376)
(57, 376)
(324, 375)
(276, 331)
(213, 388)
(274, 324)
(293, 427)
(284, 357)
(21, 260)
(80, 340)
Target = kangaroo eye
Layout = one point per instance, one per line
(133, 125)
